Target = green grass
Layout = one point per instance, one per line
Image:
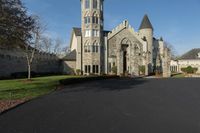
(180, 75)
(22, 89)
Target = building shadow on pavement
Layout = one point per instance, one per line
(106, 85)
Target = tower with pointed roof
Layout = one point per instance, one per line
(92, 36)
(146, 31)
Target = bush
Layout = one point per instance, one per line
(114, 69)
(142, 69)
(189, 70)
(78, 72)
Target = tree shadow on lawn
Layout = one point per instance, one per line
(106, 85)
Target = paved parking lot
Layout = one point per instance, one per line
(112, 106)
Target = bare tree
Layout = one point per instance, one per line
(57, 47)
(172, 50)
(47, 44)
(66, 50)
(30, 52)
(33, 45)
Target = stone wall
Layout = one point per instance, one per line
(166, 63)
(69, 67)
(14, 61)
(134, 49)
(179, 64)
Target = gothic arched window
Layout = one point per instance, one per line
(95, 4)
(87, 4)
(95, 47)
(95, 19)
(87, 19)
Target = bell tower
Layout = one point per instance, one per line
(92, 36)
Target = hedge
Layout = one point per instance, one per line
(189, 70)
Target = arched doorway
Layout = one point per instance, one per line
(123, 56)
(129, 57)
(124, 61)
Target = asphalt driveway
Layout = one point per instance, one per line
(112, 106)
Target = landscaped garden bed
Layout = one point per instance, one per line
(7, 104)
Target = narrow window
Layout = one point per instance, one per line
(85, 48)
(87, 4)
(86, 69)
(93, 48)
(85, 20)
(89, 33)
(95, 4)
(88, 20)
(101, 7)
(93, 19)
(86, 33)
(97, 33)
(89, 49)
(109, 67)
(97, 49)
(89, 69)
(97, 69)
(93, 33)
(97, 20)
(93, 69)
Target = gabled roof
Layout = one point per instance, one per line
(146, 24)
(77, 31)
(71, 56)
(192, 54)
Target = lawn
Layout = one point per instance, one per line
(178, 75)
(23, 89)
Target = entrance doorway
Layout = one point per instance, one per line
(124, 62)
(124, 50)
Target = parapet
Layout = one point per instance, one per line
(123, 25)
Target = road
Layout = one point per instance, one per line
(112, 106)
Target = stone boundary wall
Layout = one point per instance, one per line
(14, 61)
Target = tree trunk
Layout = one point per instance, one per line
(29, 72)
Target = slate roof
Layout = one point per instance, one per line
(71, 56)
(192, 54)
(105, 33)
(77, 31)
(146, 23)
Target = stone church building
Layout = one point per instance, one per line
(96, 51)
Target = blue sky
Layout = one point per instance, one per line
(177, 21)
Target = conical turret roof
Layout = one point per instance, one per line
(146, 24)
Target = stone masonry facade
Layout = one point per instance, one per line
(123, 48)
